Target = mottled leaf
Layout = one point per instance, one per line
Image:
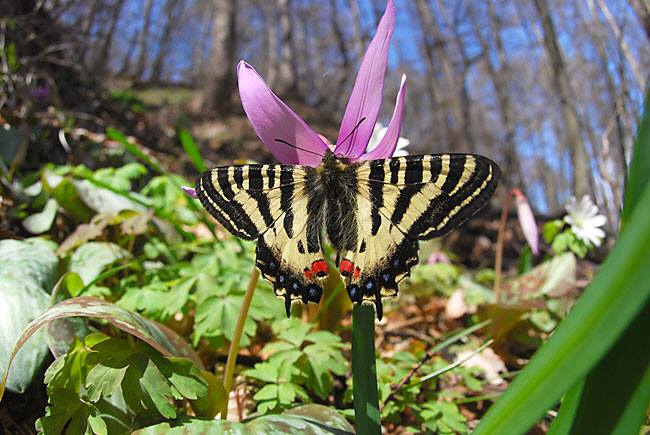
(27, 274)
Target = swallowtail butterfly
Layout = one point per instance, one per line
(372, 212)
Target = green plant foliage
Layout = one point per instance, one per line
(307, 419)
(115, 386)
(27, 273)
(90, 259)
(443, 417)
(301, 360)
(42, 221)
(438, 277)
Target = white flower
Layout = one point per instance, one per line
(379, 132)
(584, 220)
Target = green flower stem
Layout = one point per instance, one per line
(236, 338)
(364, 371)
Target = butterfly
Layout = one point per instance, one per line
(373, 213)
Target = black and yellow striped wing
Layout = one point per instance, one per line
(403, 200)
(270, 203)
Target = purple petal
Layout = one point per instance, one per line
(388, 143)
(527, 221)
(288, 137)
(189, 191)
(365, 101)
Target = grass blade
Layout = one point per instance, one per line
(617, 294)
(191, 150)
(615, 395)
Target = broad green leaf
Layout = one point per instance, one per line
(158, 336)
(304, 420)
(609, 304)
(42, 221)
(27, 274)
(64, 191)
(103, 200)
(90, 259)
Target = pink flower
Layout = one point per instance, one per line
(289, 137)
(527, 221)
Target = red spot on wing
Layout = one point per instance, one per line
(346, 267)
(357, 272)
(319, 267)
(309, 274)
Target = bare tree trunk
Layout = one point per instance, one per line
(199, 45)
(562, 86)
(144, 39)
(102, 62)
(615, 99)
(641, 78)
(500, 75)
(343, 54)
(286, 83)
(220, 78)
(126, 62)
(270, 17)
(642, 11)
(357, 33)
(436, 46)
(87, 29)
(170, 24)
(433, 84)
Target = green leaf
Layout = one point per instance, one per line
(90, 259)
(158, 336)
(192, 150)
(209, 405)
(42, 221)
(98, 425)
(616, 296)
(304, 420)
(27, 273)
(155, 384)
(103, 380)
(64, 191)
(552, 229)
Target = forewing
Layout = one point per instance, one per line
(248, 199)
(278, 206)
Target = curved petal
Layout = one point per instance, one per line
(388, 143)
(189, 191)
(365, 101)
(288, 137)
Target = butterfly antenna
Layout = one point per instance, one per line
(351, 133)
(297, 147)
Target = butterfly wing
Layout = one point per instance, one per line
(403, 200)
(275, 205)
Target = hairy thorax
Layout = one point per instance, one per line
(337, 183)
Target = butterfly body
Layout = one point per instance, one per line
(371, 212)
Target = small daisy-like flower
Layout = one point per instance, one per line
(585, 221)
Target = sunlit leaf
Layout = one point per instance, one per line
(27, 274)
